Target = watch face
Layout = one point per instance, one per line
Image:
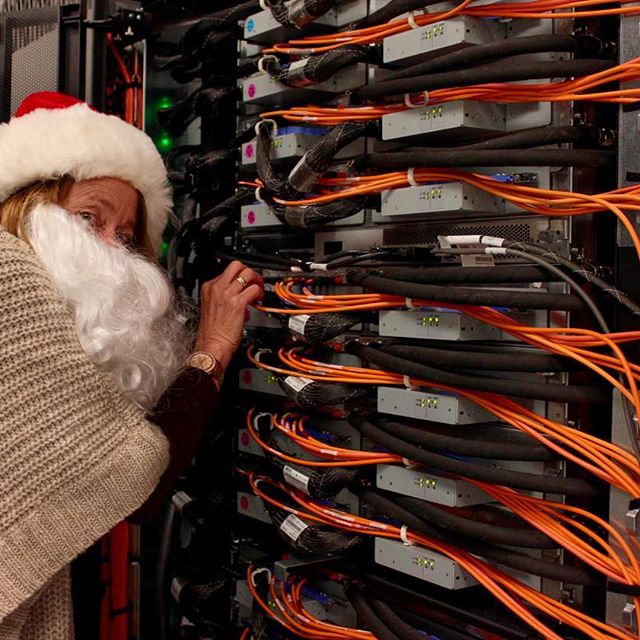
(203, 361)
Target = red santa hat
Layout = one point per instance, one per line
(54, 135)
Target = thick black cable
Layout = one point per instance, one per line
(391, 10)
(506, 557)
(321, 327)
(479, 531)
(498, 274)
(316, 216)
(485, 158)
(482, 441)
(540, 137)
(390, 618)
(581, 46)
(460, 295)
(474, 471)
(515, 70)
(367, 615)
(314, 69)
(298, 13)
(478, 359)
(503, 386)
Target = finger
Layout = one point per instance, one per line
(233, 271)
(245, 279)
(251, 294)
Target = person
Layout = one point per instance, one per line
(105, 393)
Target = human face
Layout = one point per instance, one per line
(109, 205)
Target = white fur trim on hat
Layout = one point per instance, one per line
(84, 144)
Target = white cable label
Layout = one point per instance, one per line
(296, 479)
(176, 587)
(296, 383)
(298, 323)
(292, 527)
(180, 499)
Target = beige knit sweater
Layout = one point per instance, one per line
(75, 456)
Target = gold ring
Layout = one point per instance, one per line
(242, 281)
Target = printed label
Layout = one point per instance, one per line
(298, 323)
(296, 479)
(292, 527)
(296, 383)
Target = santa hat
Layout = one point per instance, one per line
(54, 135)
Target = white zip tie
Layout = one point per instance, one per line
(319, 266)
(408, 302)
(257, 195)
(406, 380)
(411, 19)
(260, 570)
(411, 178)
(259, 352)
(412, 105)
(403, 537)
(271, 121)
(261, 62)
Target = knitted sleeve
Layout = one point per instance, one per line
(75, 456)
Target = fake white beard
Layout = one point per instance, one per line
(124, 307)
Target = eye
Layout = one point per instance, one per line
(87, 216)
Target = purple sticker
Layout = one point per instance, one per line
(244, 438)
(247, 378)
(248, 151)
(244, 503)
(251, 217)
(252, 90)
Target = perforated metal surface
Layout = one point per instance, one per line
(428, 233)
(30, 56)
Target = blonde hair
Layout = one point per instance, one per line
(14, 210)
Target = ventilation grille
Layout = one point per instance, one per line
(427, 234)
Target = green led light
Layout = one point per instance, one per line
(164, 103)
(164, 142)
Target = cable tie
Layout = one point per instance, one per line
(262, 60)
(411, 19)
(411, 178)
(263, 5)
(496, 251)
(259, 352)
(403, 537)
(257, 195)
(406, 380)
(408, 302)
(318, 266)
(271, 121)
(256, 572)
(412, 105)
(492, 241)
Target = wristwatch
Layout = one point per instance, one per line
(209, 364)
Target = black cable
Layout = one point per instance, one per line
(391, 10)
(161, 581)
(542, 136)
(484, 158)
(580, 46)
(367, 616)
(316, 216)
(460, 295)
(514, 70)
(389, 617)
(298, 13)
(466, 275)
(318, 483)
(506, 557)
(482, 441)
(310, 394)
(321, 327)
(503, 386)
(450, 521)
(478, 359)
(474, 471)
(314, 69)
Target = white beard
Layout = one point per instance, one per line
(124, 307)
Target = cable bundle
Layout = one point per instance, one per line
(316, 329)
(298, 13)
(311, 394)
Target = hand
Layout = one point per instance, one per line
(223, 302)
